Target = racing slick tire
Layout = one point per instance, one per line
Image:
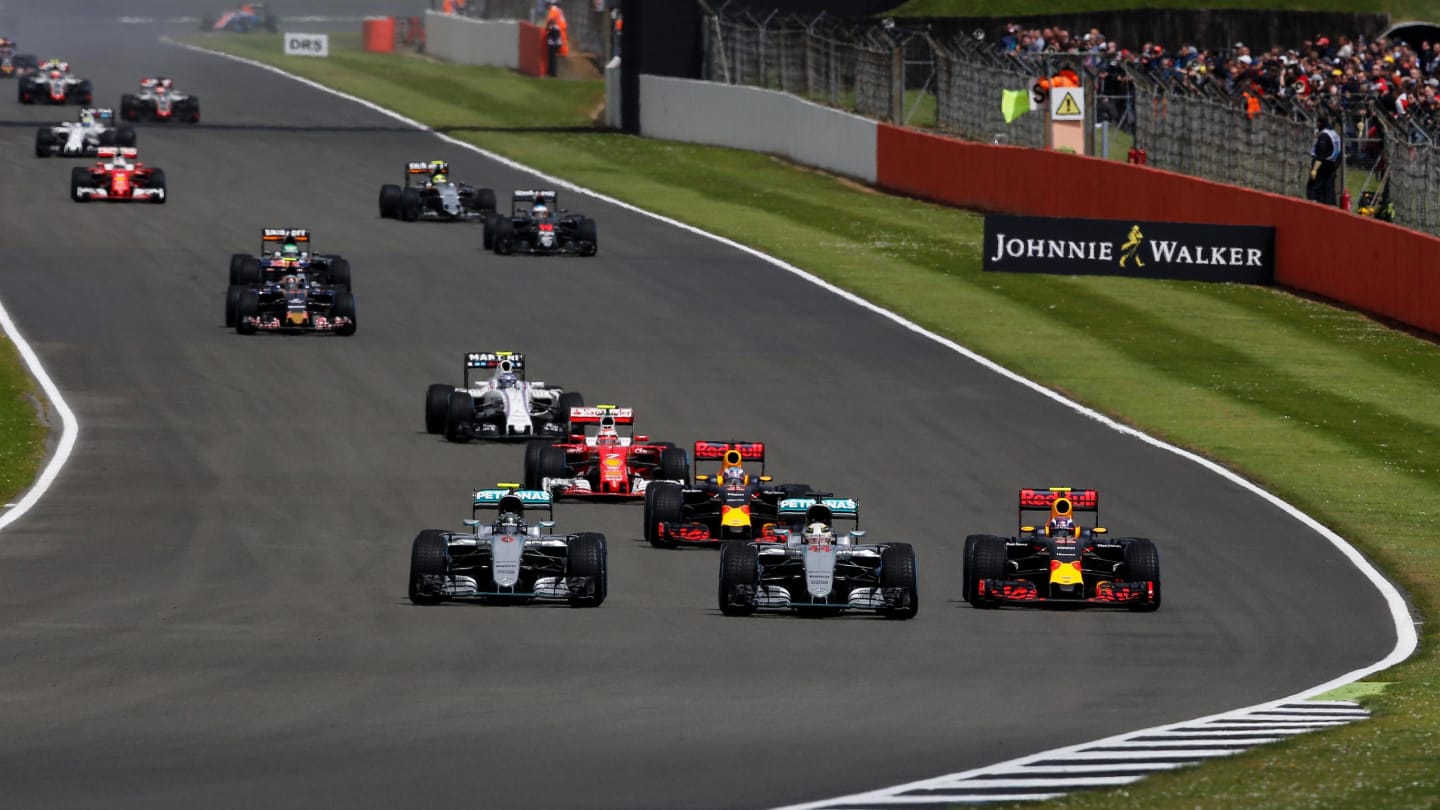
(79, 176)
(969, 562)
(249, 307)
(189, 112)
(739, 564)
(503, 239)
(485, 199)
(390, 201)
(437, 405)
(674, 465)
(129, 107)
(106, 138)
(553, 464)
(24, 92)
(429, 556)
(338, 273)
(1142, 564)
(585, 557)
(586, 234)
(125, 136)
(987, 562)
(409, 204)
(459, 410)
(244, 270)
(533, 449)
(897, 570)
(232, 304)
(567, 401)
(664, 503)
(487, 231)
(81, 93)
(345, 308)
(236, 261)
(157, 180)
(44, 142)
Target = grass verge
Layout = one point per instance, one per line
(22, 429)
(1325, 407)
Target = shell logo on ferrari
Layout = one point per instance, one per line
(612, 462)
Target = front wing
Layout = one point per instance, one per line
(1024, 592)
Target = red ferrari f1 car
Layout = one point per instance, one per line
(606, 465)
(117, 176)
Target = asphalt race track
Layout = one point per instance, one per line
(209, 607)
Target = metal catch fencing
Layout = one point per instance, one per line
(1408, 191)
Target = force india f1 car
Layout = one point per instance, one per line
(511, 558)
(815, 569)
(537, 225)
(117, 176)
(503, 406)
(158, 100)
(289, 290)
(606, 465)
(1061, 562)
(52, 83)
(84, 137)
(429, 193)
(734, 504)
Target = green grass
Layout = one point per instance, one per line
(1329, 409)
(22, 431)
(1400, 9)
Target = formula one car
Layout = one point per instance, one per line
(83, 138)
(118, 176)
(283, 249)
(289, 290)
(734, 504)
(537, 225)
(158, 100)
(607, 465)
(52, 83)
(1061, 562)
(509, 559)
(817, 570)
(247, 17)
(428, 193)
(504, 405)
(14, 65)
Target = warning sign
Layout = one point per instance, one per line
(1067, 104)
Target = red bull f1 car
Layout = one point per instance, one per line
(1061, 562)
(735, 503)
(429, 193)
(52, 83)
(538, 225)
(512, 557)
(118, 176)
(816, 569)
(605, 465)
(502, 405)
(158, 100)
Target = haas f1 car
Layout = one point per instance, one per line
(605, 465)
(735, 504)
(118, 176)
(511, 558)
(84, 137)
(429, 193)
(158, 100)
(289, 290)
(504, 405)
(811, 567)
(537, 225)
(1061, 562)
(52, 83)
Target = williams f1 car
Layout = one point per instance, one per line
(1061, 562)
(118, 176)
(429, 193)
(605, 465)
(537, 225)
(733, 504)
(812, 568)
(512, 558)
(52, 83)
(289, 289)
(504, 405)
(158, 100)
(83, 138)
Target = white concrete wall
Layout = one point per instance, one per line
(612, 93)
(465, 41)
(758, 120)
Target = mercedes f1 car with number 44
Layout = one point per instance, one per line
(1061, 562)
(503, 405)
(537, 225)
(734, 504)
(606, 465)
(158, 100)
(429, 193)
(118, 176)
(84, 137)
(510, 558)
(815, 569)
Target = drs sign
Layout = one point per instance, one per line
(307, 44)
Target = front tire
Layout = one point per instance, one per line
(249, 307)
(1142, 564)
(739, 568)
(232, 304)
(79, 176)
(429, 556)
(157, 180)
(459, 410)
(44, 142)
(585, 557)
(437, 405)
(664, 503)
(586, 233)
(533, 449)
(897, 570)
(345, 308)
(390, 198)
(988, 562)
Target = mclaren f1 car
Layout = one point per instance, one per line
(537, 225)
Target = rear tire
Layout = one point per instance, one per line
(739, 567)
(437, 405)
(409, 204)
(1142, 564)
(125, 136)
(988, 562)
(553, 464)
(339, 273)
(567, 402)
(585, 557)
(232, 304)
(897, 570)
(429, 556)
(664, 503)
(390, 197)
(459, 410)
(485, 198)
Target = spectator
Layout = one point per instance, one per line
(1324, 160)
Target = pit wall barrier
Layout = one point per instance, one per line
(1374, 266)
(758, 120)
(467, 41)
(533, 52)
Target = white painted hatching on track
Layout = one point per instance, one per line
(904, 795)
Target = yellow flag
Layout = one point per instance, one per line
(1014, 103)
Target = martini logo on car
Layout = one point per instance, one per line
(1178, 250)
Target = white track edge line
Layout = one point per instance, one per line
(1406, 637)
(69, 424)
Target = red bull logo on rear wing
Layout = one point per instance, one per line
(720, 450)
(1081, 500)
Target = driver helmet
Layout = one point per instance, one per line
(507, 523)
(119, 162)
(291, 283)
(733, 475)
(607, 435)
(539, 211)
(817, 533)
(290, 251)
(506, 380)
(1061, 526)
(87, 117)
(438, 178)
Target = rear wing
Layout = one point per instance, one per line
(117, 151)
(1059, 501)
(601, 414)
(796, 512)
(99, 112)
(513, 499)
(505, 361)
(718, 450)
(285, 235)
(522, 198)
(419, 171)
